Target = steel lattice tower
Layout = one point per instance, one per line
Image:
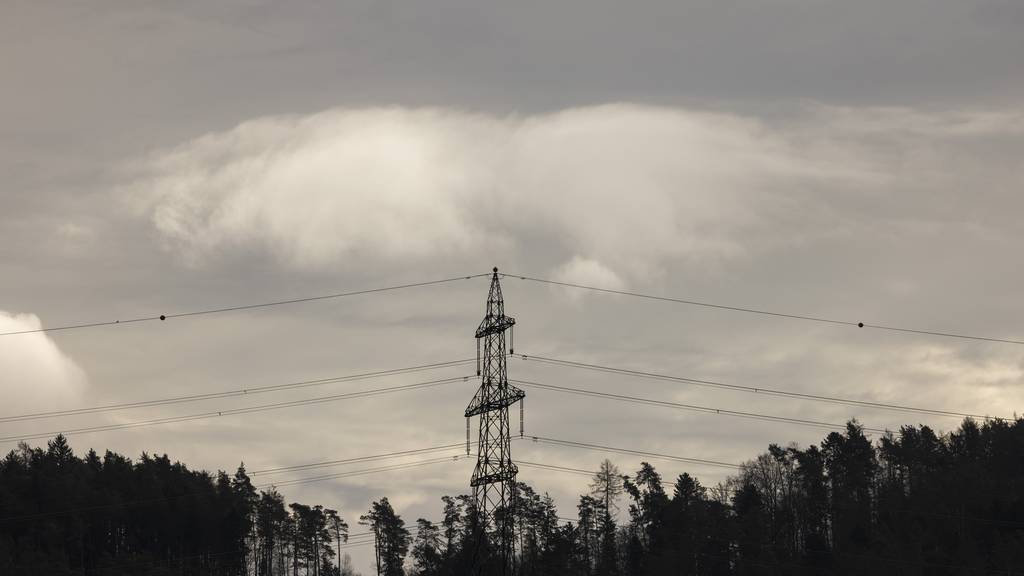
(494, 478)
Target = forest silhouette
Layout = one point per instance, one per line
(912, 502)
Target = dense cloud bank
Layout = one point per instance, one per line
(615, 191)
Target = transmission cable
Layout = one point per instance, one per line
(600, 448)
(752, 389)
(330, 463)
(764, 312)
(233, 411)
(231, 393)
(554, 467)
(692, 407)
(389, 468)
(203, 312)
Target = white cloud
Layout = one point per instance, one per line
(633, 185)
(589, 272)
(36, 374)
(317, 189)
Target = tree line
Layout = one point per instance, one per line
(65, 515)
(913, 502)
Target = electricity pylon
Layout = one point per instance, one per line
(494, 478)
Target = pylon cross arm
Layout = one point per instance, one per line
(494, 325)
(499, 398)
(506, 475)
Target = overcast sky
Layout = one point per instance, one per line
(853, 160)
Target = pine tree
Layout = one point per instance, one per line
(606, 488)
(392, 538)
(426, 550)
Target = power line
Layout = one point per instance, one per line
(692, 407)
(755, 390)
(388, 468)
(554, 467)
(629, 451)
(233, 411)
(360, 534)
(767, 312)
(242, 307)
(329, 463)
(366, 542)
(230, 393)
